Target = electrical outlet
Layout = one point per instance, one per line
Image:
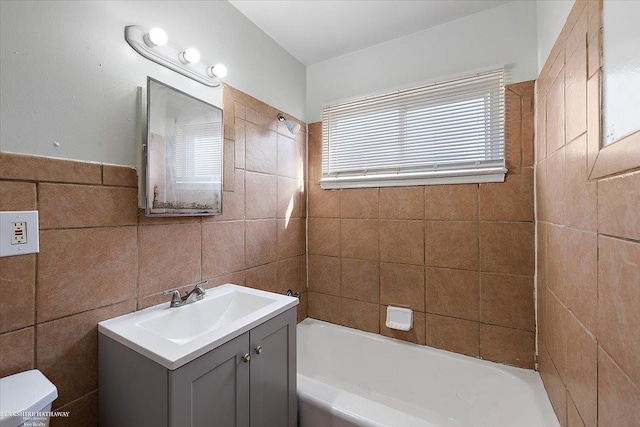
(19, 233)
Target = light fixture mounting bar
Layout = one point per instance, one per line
(168, 56)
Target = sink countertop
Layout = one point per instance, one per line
(173, 337)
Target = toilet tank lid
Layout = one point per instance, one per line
(28, 391)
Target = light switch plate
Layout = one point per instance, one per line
(28, 221)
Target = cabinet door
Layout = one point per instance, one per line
(212, 390)
(273, 372)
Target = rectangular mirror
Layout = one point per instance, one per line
(184, 153)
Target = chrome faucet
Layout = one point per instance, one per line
(196, 294)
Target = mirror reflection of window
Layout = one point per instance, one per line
(184, 154)
(621, 69)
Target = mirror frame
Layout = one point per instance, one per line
(183, 211)
(621, 155)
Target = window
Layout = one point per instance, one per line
(449, 132)
(198, 153)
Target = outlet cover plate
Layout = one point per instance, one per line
(7, 218)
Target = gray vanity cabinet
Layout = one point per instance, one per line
(250, 381)
(213, 389)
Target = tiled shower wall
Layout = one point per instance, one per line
(460, 256)
(588, 243)
(100, 257)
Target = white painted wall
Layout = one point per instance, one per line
(67, 74)
(551, 16)
(502, 35)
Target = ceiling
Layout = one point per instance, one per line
(317, 30)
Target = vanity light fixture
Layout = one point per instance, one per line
(293, 127)
(153, 44)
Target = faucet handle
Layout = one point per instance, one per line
(176, 298)
(198, 288)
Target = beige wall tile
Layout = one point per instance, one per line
(360, 238)
(16, 351)
(557, 315)
(573, 416)
(323, 203)
(451, 202)
(359, 203)
(618, 206)
(402, 203)
(360, 279)
(402, 241)
(18, 290)
(457, 335)
(240, 142)
(581, 276)
(618, 396)
(555, 115)
(511, 200)
(260, 242)
(541, 130)
(289, 194)
(556, 261)
(324, 236)
(576, 91)
(553, 384)
(17, 196)
(541, 259)
(324, 274)
(261, 195)
(582, 371)
(168, 257)
(261, 149)
(70, 206)
(92, 267)
(303, 307)
(120, 176)
(618, 302)
(263, 277)
(528, 132)
(292, 274)
(67, 352)
(542, 192)
(291, 237)
(228, 165)
(505, 345)
(324, 307)
(289, 157)
(402, 285)
(512, 130)
(233, 202)
(507, 300)
(555, 191)
(451, 244)
(45, 169)
(415, 335)
(360, 315)
(260, 116)
(453, 293)
(507, 247)
(222, 248)
(580, 194)
(82, 412)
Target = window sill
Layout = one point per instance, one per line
(413, 179)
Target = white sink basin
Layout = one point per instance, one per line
(173, 337)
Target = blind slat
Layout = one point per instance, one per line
(459, 123)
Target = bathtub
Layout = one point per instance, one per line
(350, 378)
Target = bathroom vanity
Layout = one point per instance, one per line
(246, 378)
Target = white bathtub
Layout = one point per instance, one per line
(352, 378)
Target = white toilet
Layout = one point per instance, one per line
(23, 396)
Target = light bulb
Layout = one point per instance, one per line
(156, 37)
(190, 56)
(217, 71)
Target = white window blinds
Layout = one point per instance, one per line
(198, 152)
(449, 132)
